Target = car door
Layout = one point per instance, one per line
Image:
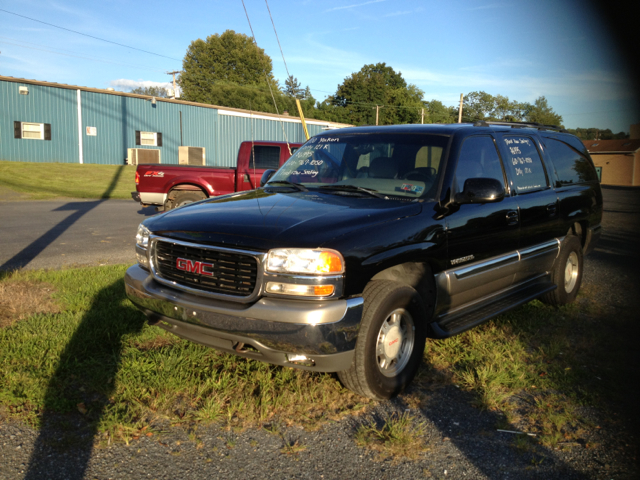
(482, 239)
(537, 203)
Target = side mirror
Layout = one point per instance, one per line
(266, 176)
(481, 190)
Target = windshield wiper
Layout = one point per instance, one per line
(287, 183)
(354, 188)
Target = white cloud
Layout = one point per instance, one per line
(397, 14)
(487, 7)
(125, 84)
(353, 6)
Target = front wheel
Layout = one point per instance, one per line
(390, 342)
(566, 273)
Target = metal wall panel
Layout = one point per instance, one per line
(56, 106)
(116, 118)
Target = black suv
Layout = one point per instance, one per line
(371, 239)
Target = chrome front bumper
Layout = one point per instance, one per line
(270, 330)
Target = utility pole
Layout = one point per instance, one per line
(174, 82)
(378, 107)
(422, 120)
(460, 110)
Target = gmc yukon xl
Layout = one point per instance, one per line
(369, 240)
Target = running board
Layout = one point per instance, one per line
(460, 321)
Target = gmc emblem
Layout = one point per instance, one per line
(194, 267)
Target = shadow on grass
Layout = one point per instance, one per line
(79, 390)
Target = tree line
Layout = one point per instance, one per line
(230, 70)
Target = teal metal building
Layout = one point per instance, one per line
(51, 122)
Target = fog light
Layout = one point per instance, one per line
(143, 260)
(300, 360)
(300, 290)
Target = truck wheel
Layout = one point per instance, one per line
(566, 273)
(390, 341)
(187, 196)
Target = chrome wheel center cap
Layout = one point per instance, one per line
(392, 343)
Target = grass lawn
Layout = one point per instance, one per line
(44, 181)
(71, 343)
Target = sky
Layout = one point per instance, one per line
(559, 49)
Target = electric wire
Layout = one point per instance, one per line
(284, 133)
(275, 31)
(71, 54)
(87, 35)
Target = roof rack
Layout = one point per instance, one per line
(539, 126)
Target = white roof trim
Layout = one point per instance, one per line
(266, 117)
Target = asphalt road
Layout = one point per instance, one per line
(56, 234)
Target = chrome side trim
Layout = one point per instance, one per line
(536, 250)
(259, 257)
(459, 287)
(485, 265)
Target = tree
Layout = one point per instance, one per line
(293, 88)
(541, 112)
(437, 112)
(597, 134)
(478, 106)
(222, 60)
(159, 92)
(356, 99)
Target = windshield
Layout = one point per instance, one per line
(398, 165)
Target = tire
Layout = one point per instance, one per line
(187, 196)
(566, 273)
(390, 342)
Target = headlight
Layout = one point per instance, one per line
(142, 242)
(305, 261)
(142, 237)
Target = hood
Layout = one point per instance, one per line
(261, 219)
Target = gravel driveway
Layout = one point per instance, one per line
(462, 440)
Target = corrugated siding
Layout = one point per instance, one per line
(116, 119)
(56, 106)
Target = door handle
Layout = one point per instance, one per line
(552, 208)
(512, 217)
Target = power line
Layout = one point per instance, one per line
(268, 79)
(71, 54)
(274, 31)
(87, 35)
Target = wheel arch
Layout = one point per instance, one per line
(579, 229)
(419, 276)
(189, 187)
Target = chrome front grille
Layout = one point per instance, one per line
(216, 271)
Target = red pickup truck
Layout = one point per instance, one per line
(170, 186)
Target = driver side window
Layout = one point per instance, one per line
(478, 159)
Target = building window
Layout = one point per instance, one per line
(32, 131)
(151, 139)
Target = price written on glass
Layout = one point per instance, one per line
(517, 157)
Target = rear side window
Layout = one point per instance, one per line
(525, 164)
(265, 157)
(571, 167)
